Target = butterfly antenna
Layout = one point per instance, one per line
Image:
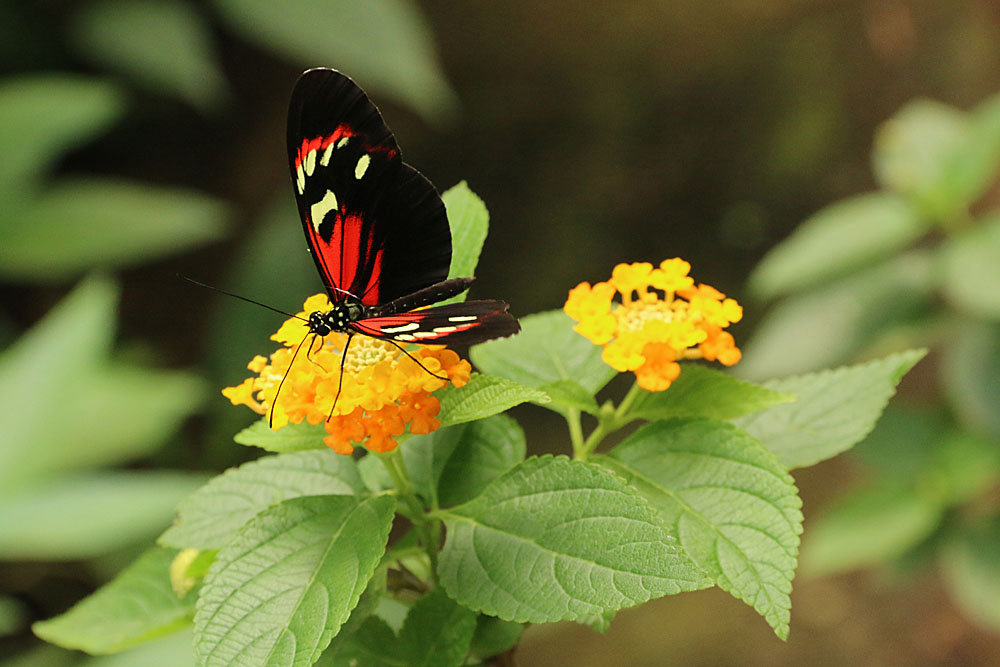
(241, 298)
(340, 381)
(403, 350)
(270, 414)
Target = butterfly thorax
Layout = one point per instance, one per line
(336, 319)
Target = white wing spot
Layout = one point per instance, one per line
(325, 160)
(404, 337)
(319, 210)
(309, 163)
(444, 330)
(426, 334)
(409, 326)
(342, 142)
(462, 318)
(362, 166)
(300, 179)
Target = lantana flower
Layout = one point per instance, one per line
(661, 317)
(383, 391)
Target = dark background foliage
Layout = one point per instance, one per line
(595, 132)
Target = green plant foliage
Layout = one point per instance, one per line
(283, 587)
(484, 396)
(469, 222)
(842, 237)
(704, 392)
(972, 569)
(210, 517)
(137, 606)
(913, 150)
(835, 409)
(826, 326)
(43, 116)
(385, 43)
(88, 514)
(869, 527)
(547, 350)
(555, 539)
(165, 46)
(108, 411)
(727, 500)
(970, 371)
(453, 464)
(969, 262)
(126, 223)
(289, 438)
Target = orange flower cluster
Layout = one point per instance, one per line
(662, 317)
(383, 391)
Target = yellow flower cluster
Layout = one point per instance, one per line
(382, 392)
(662, 317)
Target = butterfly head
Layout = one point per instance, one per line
(335, 319)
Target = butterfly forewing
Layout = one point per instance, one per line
(377, 229)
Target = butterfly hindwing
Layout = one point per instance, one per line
(464, 323)
(376, 227)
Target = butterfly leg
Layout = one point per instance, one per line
(340, 381)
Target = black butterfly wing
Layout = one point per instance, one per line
(377, 229)
(464, 323)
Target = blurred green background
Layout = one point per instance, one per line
(142, 138)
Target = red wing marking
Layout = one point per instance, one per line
(321, 143)
(346, 254)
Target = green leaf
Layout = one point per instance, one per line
(437, 632)
(89, 514)
(835, 409)
(494, 636)
(107, 412)
(731, 504)
(971, 565)
(913, 150)
(138, 605)
(373, 645)
(174, 650)
(127, 224)
(42, 117)
(868, 527)
(970, 371)
(167, 46)
(487, 449)
(971, 169)
(555, 539)
(827, 326)
(13, 615)
(969, 264)
(569, 394)
(406, 68)
(547, 350)
(453, 464)
(700, 391)
(287, 439)
(286, 583)
(210, 517)
(470, 222)
(841, 237)
(483, 396)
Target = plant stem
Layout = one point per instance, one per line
(608, 424)
(575, 431)
(427, 529)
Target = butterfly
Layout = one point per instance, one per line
(375, 226)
